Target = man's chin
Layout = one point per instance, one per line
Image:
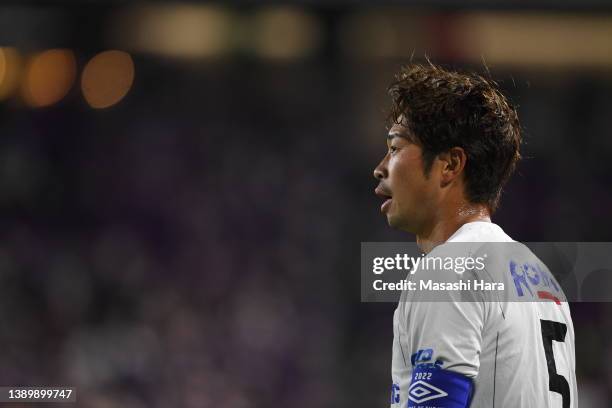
(398, 223)
(393, 221)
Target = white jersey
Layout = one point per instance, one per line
(518, 354)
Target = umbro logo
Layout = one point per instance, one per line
(421, 391)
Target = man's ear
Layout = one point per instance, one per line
(453, 163)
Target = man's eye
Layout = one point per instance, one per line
(392, 149)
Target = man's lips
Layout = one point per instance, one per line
(382, 193)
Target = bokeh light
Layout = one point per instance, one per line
(107, 78)
(175, 30)
(10, 71)
(285, 33)
(535, 40)
(49, 77)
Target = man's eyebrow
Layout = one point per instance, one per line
(392, 135)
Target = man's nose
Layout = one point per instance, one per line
(380, 172)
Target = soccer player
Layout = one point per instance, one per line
(453, 142)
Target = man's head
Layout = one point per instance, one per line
(453, 139)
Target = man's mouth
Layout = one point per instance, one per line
(382, 193)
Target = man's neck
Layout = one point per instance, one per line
(443, 227)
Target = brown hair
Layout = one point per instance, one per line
(443, 109)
